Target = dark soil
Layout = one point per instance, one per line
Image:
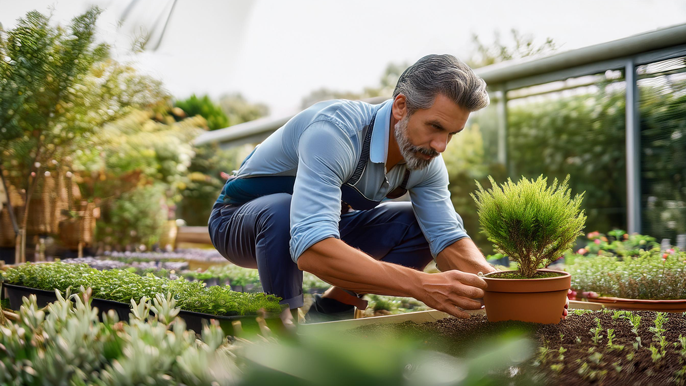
(517, 275)
(583, 362)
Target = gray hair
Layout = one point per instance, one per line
(444, 74)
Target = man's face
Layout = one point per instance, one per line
(426, 133)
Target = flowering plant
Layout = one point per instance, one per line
(650, 275)
(617, 242)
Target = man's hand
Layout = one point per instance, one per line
(452, 292)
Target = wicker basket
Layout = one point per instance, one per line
(78, 230)
(7, 236)
(41, 208)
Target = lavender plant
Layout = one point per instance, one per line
(529, 221)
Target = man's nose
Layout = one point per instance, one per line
(440, 143)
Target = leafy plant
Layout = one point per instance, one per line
(57, 87)
(529, 221)
(216, 118)
(650, 275)
(67, 344)
(618, 243)
(124, 286)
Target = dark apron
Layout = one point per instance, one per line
(351, 196)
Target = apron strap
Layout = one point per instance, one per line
(364, 157)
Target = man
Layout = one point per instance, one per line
(309, 198)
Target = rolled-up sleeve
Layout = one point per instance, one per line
(435, 213)
(325, 159)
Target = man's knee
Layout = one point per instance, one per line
(275, 215)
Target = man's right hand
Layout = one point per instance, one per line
(451, 292)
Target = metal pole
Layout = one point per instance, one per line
(633, 149)
(502, 125)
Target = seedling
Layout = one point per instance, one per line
(617, 366)
(596, 332)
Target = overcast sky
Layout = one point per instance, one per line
(278, 51)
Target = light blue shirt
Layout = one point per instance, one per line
(317, 151)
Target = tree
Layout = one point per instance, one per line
(239, 110)
(56, 87)
(215, 116)
(522, 46)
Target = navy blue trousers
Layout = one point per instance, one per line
(257, 233)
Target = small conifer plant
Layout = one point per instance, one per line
(529, 221)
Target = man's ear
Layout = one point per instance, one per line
(399, 107)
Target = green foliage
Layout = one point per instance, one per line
(124, 286)
(205, 181)
(580, 135)
(239, 110)
(68, 345)
(135, 218)
(136, 168)
(650, 275)
(618, 242)
(521, 46)
(531, 222)
(57, 90)
(216, 118)
(596, 332)
(465, 160)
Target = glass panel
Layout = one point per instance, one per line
(662, 100)
(574, 127)
(472, 155)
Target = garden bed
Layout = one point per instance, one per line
(194, 320)
(645, 347)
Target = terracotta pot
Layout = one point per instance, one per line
(678, 305)
(527, 300)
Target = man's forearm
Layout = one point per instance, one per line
(344, 266)
(463, 255)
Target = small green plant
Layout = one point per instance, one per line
(532, 223)
(610, 336)
(596, 332)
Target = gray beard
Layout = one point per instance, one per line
(408, 150)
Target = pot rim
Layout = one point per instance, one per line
(547, 284)
(565, 274)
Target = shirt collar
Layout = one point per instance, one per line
(382, 123)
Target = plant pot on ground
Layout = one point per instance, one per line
(652, 280)
(534, 224)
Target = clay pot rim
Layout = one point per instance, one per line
(565, 274)
(639, 301)
(547, 284)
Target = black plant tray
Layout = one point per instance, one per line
(194, 320)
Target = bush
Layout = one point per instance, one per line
(651, 275)
(531, 222)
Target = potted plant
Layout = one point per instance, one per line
(534, 224)
(653, 280)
